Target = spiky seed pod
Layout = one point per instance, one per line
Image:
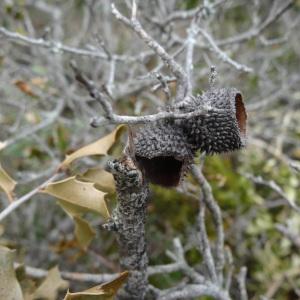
(224, 128)
(163, 153)
(165, 149)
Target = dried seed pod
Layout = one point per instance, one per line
(163, 153)
(223, 129)
(164, 150)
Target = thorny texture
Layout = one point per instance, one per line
(165, 149)
(132, 71)
(128, 221)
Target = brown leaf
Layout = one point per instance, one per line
(100, 147)
(105, 291)
(25, 88)
(115, 284)
(9, 286)
(50, 286)
(104, 180)
(84, 195)
(7, 184)
(83, 231)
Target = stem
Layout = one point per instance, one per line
(128, 222)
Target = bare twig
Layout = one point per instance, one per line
(74, 276)
(216, 215)
(112, 118)
(18, 202)
(221, 54)
(292, 236)
(190, 291)
(253, 32)
(276, 188)
(241, 280)
(56, 46)
(175, 68)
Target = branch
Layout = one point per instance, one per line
(74, 276)
(215, 211)
(192, 32)
(204, 243)
(175, 68)
(184, 15)
(15, 204)
(241, 280)
(112, 118)
(56, 46)
(99, 278)
(253, 32)
(276, 188)
(292, 236)
(195, 290)
(33, 129)
(179, 258)
(128, 221)
(222, 55)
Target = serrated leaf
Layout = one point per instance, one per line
(100, 147)
(84, 232)
(50, 286)
(9, 286)
(115, 285)
(105, 291)
(104, 180)
(72, 209)
(7, 184)
(82, 194)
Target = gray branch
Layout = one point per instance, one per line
(175, 68)
(128, 221)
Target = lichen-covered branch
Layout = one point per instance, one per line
(128, 221)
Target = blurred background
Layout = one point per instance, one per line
(45, 114)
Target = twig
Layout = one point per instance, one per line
(33, 129)
(74, 276)
(191, 291)
(56, 46)
(253, 32)
(222, 55)
(292, 236)
(276, 188)
(112, 118)
(241, 280)
(98, 278)
(192, 32)
(204, 243)
(174, 67)
(15, 204)
(216, 215)
(163, 269)
(179, 258)
(187, 14)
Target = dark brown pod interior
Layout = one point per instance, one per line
(240, 112)
(162, 170)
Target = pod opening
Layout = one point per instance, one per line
(240, 113)
(162, 170)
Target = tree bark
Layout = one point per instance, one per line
(128, 221)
